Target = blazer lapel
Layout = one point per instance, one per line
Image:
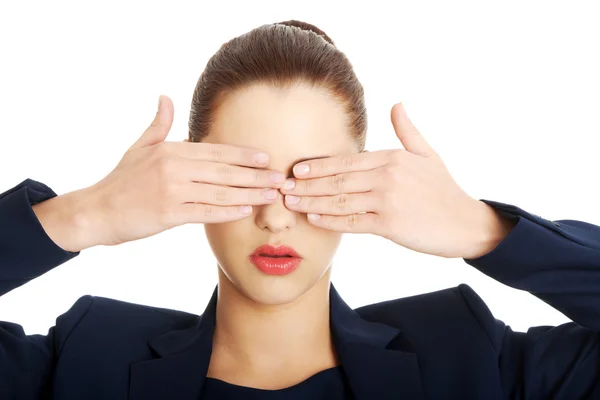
(183, 359)
(374, 370)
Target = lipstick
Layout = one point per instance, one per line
(271, 260)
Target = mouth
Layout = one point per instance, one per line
(266, 250)
(272, 260)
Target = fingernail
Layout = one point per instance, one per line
(314, 217)
(270, 194)
(277, 177)
(261, 158)
(289, 184)
(301, 169)
(245, 209)
(292, 199)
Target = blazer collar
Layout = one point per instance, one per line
(373, 370)
(181, 363)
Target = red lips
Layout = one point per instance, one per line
(271, 260)
(268, 250)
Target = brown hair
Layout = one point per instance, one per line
(279, 54)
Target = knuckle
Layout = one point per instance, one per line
(390, 171)
(396, 156)
(221, 195)
(336, 182)
(224, 169)
(166, 165)
(168, 192)
(259, 175)
(352, 221)
(340, 201)
(216, 153)
(209, 211)
(307, 184)
(348, 161)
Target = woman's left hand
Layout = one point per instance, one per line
(405, 195)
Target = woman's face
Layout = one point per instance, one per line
(289, 124)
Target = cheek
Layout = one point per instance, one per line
(226, 239)
(324, 243)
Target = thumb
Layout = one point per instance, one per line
(411, 138)
(160, 126)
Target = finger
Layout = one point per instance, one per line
(230, 175)
(207, 213)
(340, 164)
(221, 153)
(353, 223)
(226, 195)
(160, 126)
(349, 182)
(341, 204)
(411, 138)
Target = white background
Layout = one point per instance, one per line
(507, 93)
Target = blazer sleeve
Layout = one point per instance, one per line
(26, 251)
(558, 262)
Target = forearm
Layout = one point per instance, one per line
(26, 251)
(557, 261)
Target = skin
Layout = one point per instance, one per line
(406, 195)
(273, 331)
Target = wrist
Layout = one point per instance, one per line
(488, 230)
(70, 220)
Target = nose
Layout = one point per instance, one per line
(275, 217)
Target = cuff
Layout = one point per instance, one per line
(26, 251)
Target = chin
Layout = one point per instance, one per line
(273, 289)
(273, 296)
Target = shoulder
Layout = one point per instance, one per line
(450, 312)
(93, 316)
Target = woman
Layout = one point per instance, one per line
(277, 172)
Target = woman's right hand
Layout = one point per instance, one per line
(159, 185)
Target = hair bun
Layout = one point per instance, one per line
(307, 27)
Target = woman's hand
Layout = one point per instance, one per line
(158, 185)
(407, 196)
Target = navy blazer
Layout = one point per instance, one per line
(440, 345)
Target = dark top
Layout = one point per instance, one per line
(440, 345)
(329, 384)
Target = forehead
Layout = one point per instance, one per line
(288, 123)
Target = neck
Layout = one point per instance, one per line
(263, 340)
